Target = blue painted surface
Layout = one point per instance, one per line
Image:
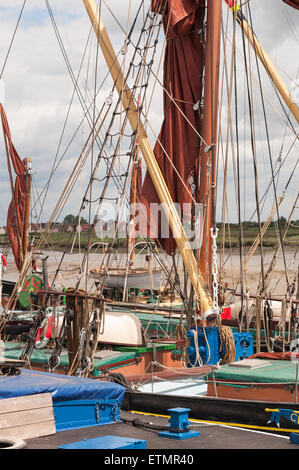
(77, 402)
(85, 413)
(179, 418)
(208, 346)
(61, 387)
(244, 345)
(179, 422)
(107, 442)
(294, 438)
(179, 436)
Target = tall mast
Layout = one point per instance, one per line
(207, 183)
(149, 156)
(25, 234)
(133, 201)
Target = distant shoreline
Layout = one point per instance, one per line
(61, 242)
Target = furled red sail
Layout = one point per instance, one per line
(292, 3)
(16, 210)
(177, 147)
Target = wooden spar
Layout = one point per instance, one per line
(207, 186)
(134, 183)
(25, 235)
(268, 65)
(137, 306)
(132, 235)
(149, 156)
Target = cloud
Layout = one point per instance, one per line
(39, 89)
(276, 25)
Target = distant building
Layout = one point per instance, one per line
(65, 228)
(58, 227)
(37, 228)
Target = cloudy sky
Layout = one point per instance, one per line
(39, 89)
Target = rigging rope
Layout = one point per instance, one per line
(227, 344)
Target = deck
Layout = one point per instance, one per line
(211, 437)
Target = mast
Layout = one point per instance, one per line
(25, 235)
(207, 183)
(149, 156)
(133, 201)
(135, 183)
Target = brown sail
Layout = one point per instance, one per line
(17, 207)
(177, 147)
(292, 3)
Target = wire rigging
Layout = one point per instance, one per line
(12, 39)
(270, 157)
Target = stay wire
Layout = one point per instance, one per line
(70, 105)
(239, 193)
(270, 154)
(139, 76)
(76, 88)
(115, 153)
(12, 39)
(257, 198)
(92, 151)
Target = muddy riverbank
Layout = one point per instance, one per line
(285, 269)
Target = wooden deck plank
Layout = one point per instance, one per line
(27, 417)
(27, 402)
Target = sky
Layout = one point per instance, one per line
(39, 89)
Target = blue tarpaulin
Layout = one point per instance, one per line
(61, 387)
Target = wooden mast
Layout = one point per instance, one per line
(149, 156)
(133, 201)
(25, 234)
(207, 183)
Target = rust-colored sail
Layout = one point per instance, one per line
(177, 148)
(17, 207)
(292, 3)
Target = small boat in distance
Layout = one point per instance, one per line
(132, 278)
